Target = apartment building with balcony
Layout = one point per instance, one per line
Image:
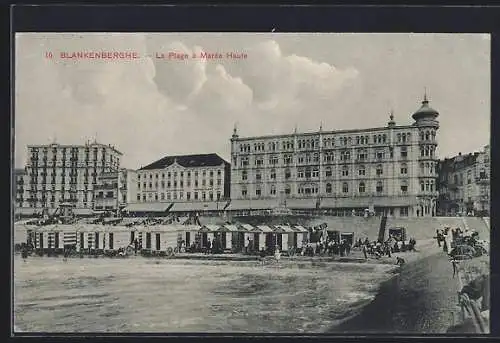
(115, 190)
(56, 174)
(464, 184)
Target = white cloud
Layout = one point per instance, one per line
(152, 107)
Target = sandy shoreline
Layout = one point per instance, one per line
(422, 298)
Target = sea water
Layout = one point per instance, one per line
(161, 295)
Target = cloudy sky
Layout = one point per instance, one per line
(150, 107)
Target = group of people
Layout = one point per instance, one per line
(380, 248)
(328, 247)
(445, 237)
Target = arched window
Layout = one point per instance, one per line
(288, 174)
(361, 171)
(427, 167)
(345, 171)
(427, 186)
(422, 186)
(258, 192)
(361, 187)
(273, 174)
(380, 187)
(426, 151)
(328, 172)
(421, 168)
(384, 138)
(244, 175)
(404, 186)
(328, 187)
(379, 169)
(345, 187)
(421, 135)
(379, 138)
(273, 190)
(408, 136)
(427, 135)
(404, 168)
(399, 137)
(432, 186)
(288, 189)
(421, 151)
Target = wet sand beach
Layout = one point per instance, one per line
(421, 299)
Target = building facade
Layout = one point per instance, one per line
(464, 184)
(186, 178)
(114, 190)
(19, 179)
(66, 173)
(391, 169)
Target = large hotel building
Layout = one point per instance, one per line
(183, 183)
(390, 169)
(56, 174)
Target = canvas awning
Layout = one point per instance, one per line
(264, 228)
(283, 229)
(246, 227)
(24, 210)
(299, 228)
(148, 207)
(229, 228)
(254, 204)
(367, 202)
(309, 203)
(198, 206)
(209, 228)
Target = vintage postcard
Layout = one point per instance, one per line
(251, 183)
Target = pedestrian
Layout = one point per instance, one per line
(364, 251)
(438, 237)
(454, 263)
(208, 247)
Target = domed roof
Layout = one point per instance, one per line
(425, 110)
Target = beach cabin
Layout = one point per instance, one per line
(348, 236)
(229, 238)
(207, 233)
(301, 235)
(247, 235)
(285, 237)
(114, 238)
(190, 233)
(263, 237)
(333, 235)
(237, 237)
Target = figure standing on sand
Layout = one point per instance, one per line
(439, 237)
(364, 251)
